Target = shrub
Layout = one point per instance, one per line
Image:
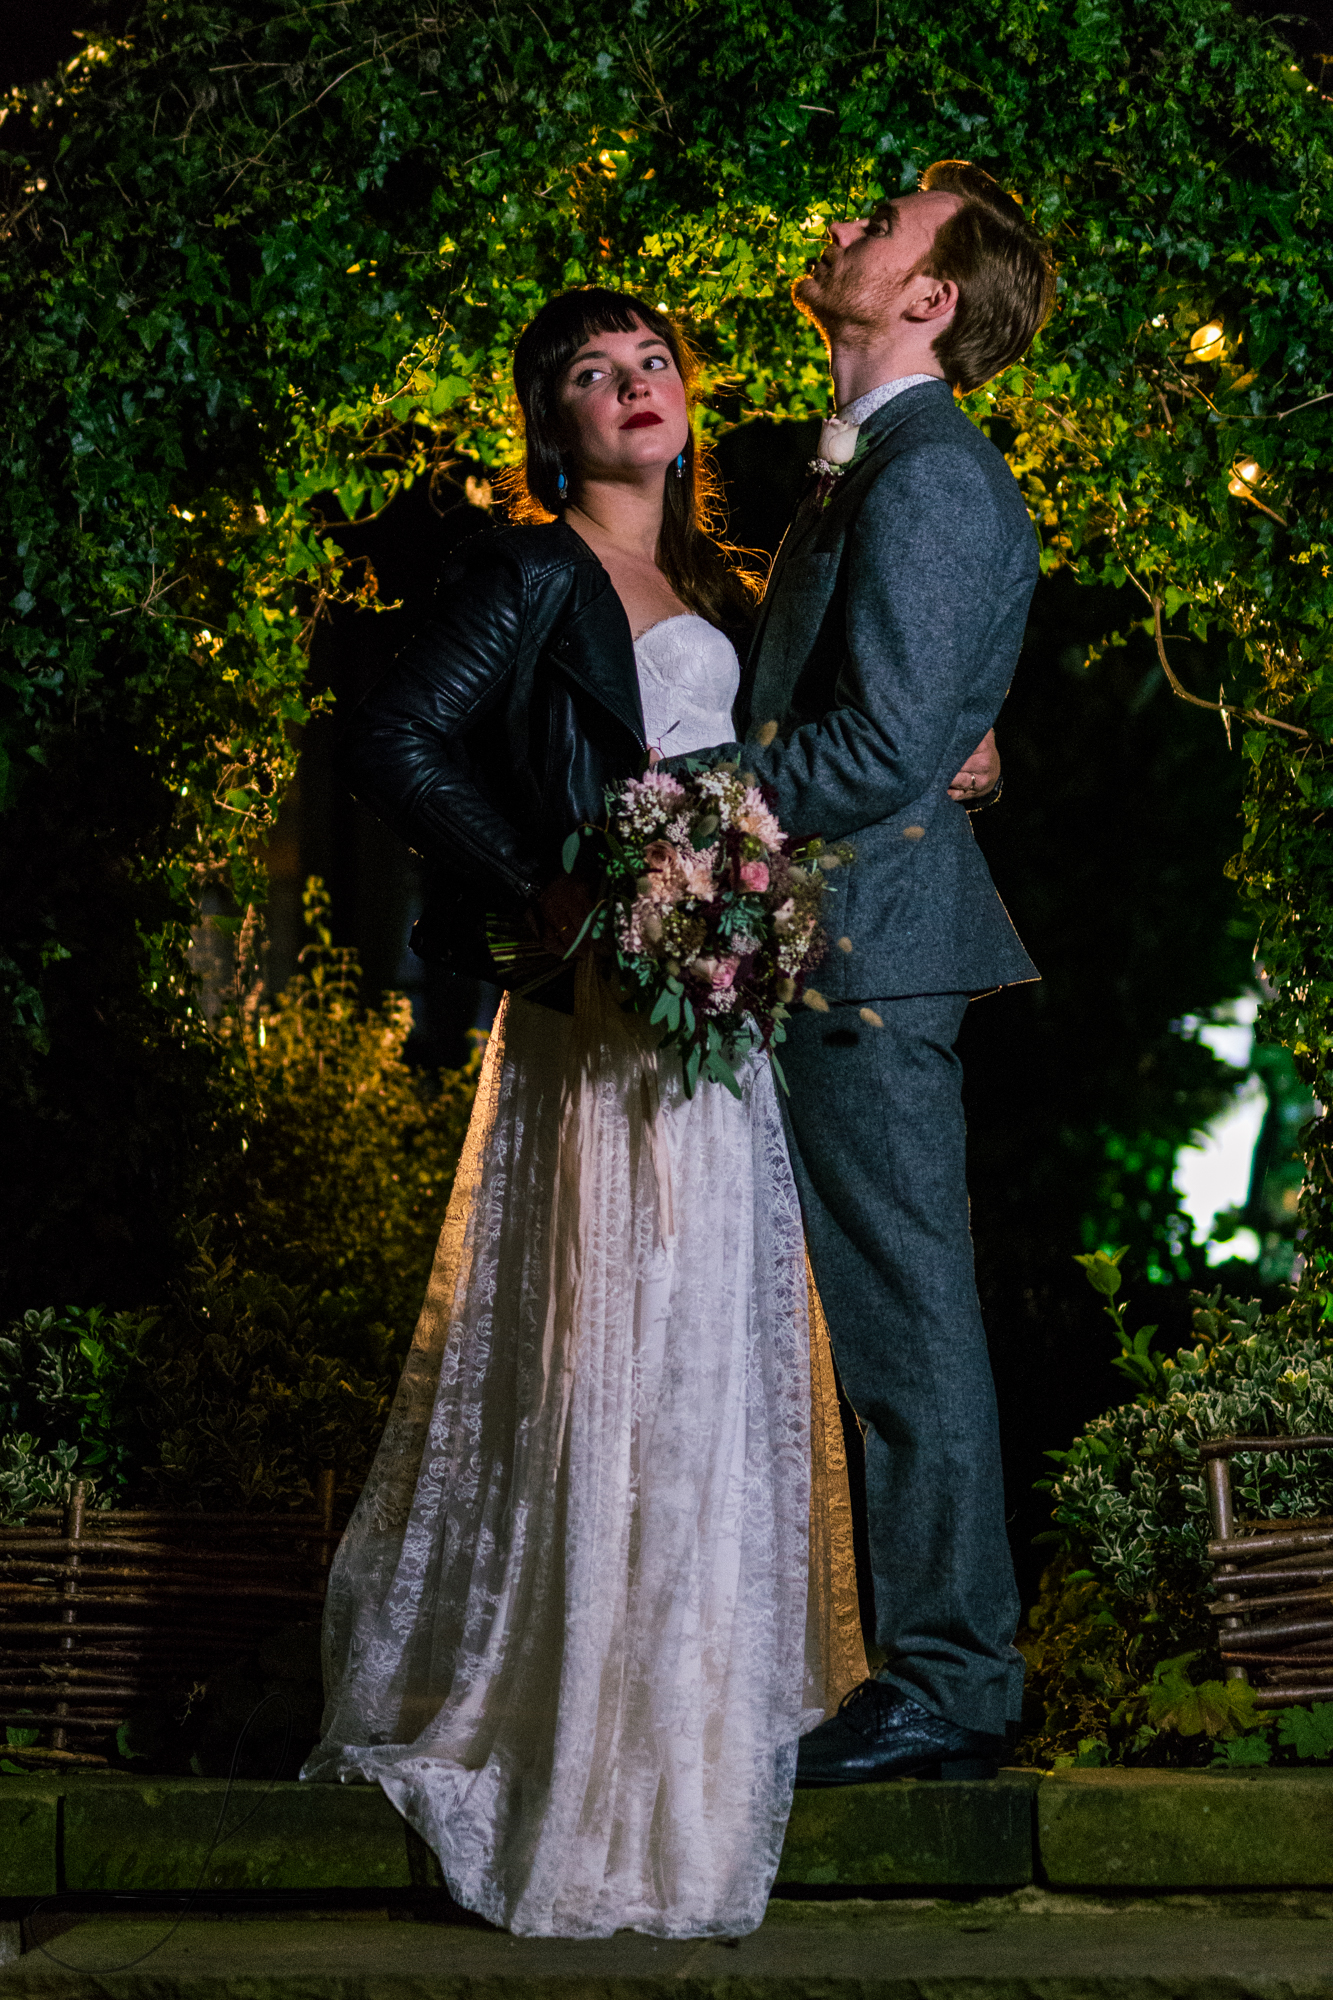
(68, 1394)
(1122, 1655)
(277, 1349)
(350, 1154)
(242, 1399)
(1129, 1498)
(225, 1399)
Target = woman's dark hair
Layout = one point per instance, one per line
(693, 561)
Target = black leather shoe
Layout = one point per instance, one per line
(878, 1734)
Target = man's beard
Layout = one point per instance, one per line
(809, 310)
(843, 310)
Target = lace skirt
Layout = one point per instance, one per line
(585, 1605)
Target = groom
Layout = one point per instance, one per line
(886, 642)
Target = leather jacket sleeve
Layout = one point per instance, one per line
(408, 751)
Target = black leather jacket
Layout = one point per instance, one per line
(498, 728)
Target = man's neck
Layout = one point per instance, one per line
(858, 370)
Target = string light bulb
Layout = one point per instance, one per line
(1207, 341)
(1244, 478)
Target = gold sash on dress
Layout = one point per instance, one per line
(833, 1613)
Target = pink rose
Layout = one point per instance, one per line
(754, 875)
(665, 881)
(725, 975)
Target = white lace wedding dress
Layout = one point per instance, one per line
(584, 1607)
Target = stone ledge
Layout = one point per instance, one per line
(912, 1835)
(157, 1835)
(117, 1832)
(998, 1949)
(1117, 1831)
(1186, 1829)
(29, 1837)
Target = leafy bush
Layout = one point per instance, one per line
(350, 1154)
(277, 1349)
(242, 1399)
(31, 1477)
(225, 1399)
(1090, 1656)
(1107, 1685)
(1130, 1498)
(1121, 1626)
(68, 1404)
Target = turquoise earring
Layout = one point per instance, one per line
(562, 484)
(680, 465)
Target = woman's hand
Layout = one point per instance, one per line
(559, 915)
(980, 774)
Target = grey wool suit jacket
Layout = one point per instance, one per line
(886, 643)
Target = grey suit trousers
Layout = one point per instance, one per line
(875, 1121)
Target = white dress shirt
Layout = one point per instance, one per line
(875, 399)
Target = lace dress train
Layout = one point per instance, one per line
(585, 1605)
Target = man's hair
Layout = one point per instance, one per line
(1003, 270)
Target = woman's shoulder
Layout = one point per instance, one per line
(539, 551)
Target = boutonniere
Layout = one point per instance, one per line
(837, 448)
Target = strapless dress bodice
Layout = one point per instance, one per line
(688, 677)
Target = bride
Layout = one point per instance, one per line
(600, 1578)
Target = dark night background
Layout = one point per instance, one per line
(1120, 810)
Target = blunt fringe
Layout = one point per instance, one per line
(693, 559)
(1003, 270)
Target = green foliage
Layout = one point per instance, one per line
(1103, 1688)
(1088, 1653)
(1136, 1358)
(68, 1396)
(351, 1154)
(222, 1400)
(240, 1402)
(1223, 1709)
(1245, 1752)
(1129, 1496)
(31, 1477)
(256, 1369)
(1308, 1731)
(1129, 1594)
(260, 256)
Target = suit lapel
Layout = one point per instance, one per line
(877, 434)
(802, 522)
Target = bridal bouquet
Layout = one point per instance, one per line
(710, 911)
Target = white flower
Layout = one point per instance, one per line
(837, 441)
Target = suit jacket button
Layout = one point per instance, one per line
(913, 832)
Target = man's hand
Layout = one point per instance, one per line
(558, 915)
(980, 774)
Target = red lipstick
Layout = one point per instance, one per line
(638, 421)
